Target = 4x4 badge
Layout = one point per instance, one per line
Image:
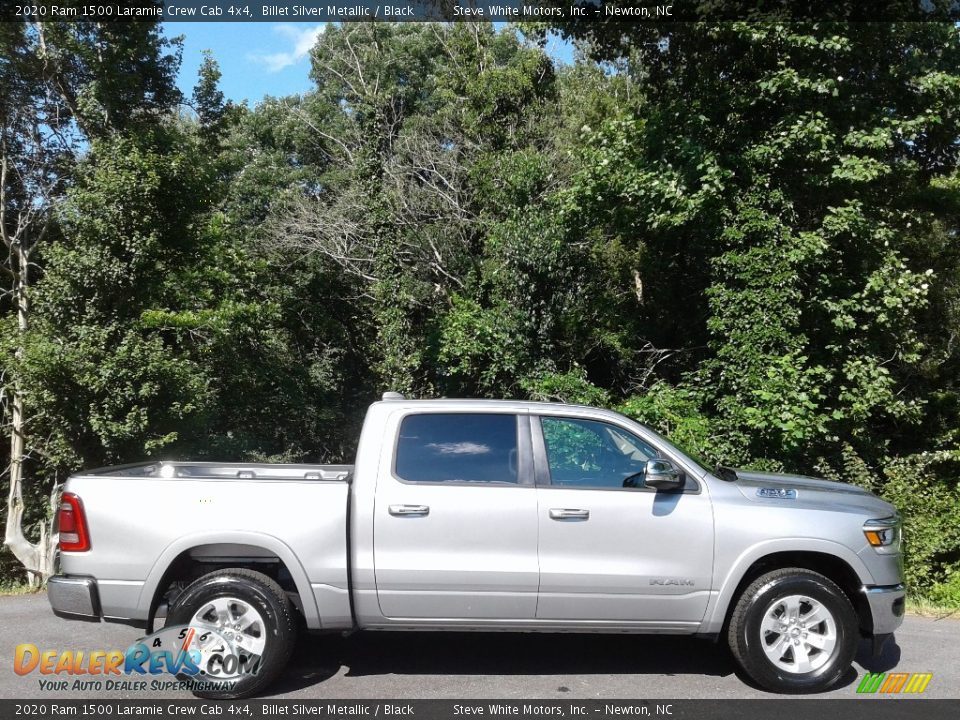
(778, 493)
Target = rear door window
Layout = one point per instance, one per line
(457, 448)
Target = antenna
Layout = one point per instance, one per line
(393, 396)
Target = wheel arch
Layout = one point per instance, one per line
(831, 560)
(199, 553)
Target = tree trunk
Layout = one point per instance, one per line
(38, 559)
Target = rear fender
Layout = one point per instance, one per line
(267, 542)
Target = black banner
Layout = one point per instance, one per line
(875, 708)
(553, 11)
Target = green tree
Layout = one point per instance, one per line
(64, 84)
(413, 128)
(776, 186)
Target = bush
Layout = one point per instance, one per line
(675, 412)
(924, 488)
(946, 594)
(569, 387)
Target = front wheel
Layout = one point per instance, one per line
(793, 631)
(242, 626)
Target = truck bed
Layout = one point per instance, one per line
(144, 518)
(224, 471)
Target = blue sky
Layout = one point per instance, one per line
(259, 59)
(256, 59)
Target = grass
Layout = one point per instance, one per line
(935, 607)
(13, 587)
(923, 608)
(938, 600)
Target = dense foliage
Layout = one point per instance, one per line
(744, 235)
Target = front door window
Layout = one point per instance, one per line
(591, 454)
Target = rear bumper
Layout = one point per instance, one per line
(74, 597)
(886, 606)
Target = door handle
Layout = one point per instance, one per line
(410, 510)
(569, 514)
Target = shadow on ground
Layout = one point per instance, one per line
(887, 660)
(319, 657)
(450, 653)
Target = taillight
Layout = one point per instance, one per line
(73, 525)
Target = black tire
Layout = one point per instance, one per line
(762, 598)
(263, 595)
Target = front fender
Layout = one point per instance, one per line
(719, 605)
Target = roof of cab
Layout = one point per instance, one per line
(394, 397)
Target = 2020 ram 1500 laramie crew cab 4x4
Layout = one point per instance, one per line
(487, 515)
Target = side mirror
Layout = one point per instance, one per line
(663, 475)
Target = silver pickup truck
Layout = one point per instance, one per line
(486, 515)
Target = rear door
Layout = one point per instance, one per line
(455, 522)
(610, 548)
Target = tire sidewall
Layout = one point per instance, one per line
(768, 674)
(276, 648)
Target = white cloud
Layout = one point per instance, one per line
(459, 448)
(300, 40)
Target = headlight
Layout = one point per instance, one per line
(883, 534)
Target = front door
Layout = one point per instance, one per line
(610, 548)
(455, 523)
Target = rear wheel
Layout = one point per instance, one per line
(244, 631)
(793, 631)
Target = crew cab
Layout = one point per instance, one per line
(486, 515)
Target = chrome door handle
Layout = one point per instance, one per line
(415, 510)
(569, 514)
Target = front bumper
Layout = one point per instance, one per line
(887, 603)
(74, 597)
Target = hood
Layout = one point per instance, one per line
(767, 487)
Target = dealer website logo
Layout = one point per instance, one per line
(892, 683)
(196, 655)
